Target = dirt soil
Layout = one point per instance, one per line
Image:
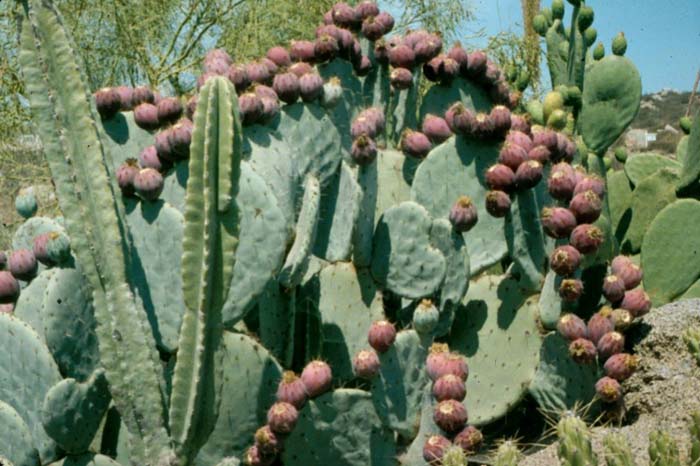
(664, 391)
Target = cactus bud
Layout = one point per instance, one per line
(148, 158)
(267, 442)
(126, 98)
(169, 110)
(179, 138)
(58, 248)
(425, 317)
(540, 154)
(39, 248)
(599, 52)
(619, 44)
(621, 319)
(386, 20)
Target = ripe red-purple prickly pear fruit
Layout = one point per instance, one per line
(572, 327)
(254, 457)
(363, 150)
(258, 73)
(450, 415)
(544, 137)
(448, 70)
(415, 144)
(497, 203)
(191, 106)
(3, 260)
(143, 95)
(381, 335)
(344, 15)
(215, 67)
(363, 125)
(425, 317)
(463, 214)
(39, 248)
(169, 110)
(519, 138)
(586, 238)
(598, 325)
(148, 158)
(301, 68)
(469, 439)
(558, 222)
(282, 417)
(238, 75)
(519, 123)
(326, 48)
(179, 138)
(571, 289)
(582, 351)
(512, 155)
(366, 364)
(434, 449)
(500, 116)
(436, 129)
(539, 153)
(286, 85)
(251, 108)
(484, 128)
(107, 102)
(267, 442)
(458, 54)
(621, 366)
(279, 56)
(586, 207)
(375, 116)
(565, 260)
(500, 177)
(162, 145)
(562, 181)
(22, 264)
(429, 47)
(148, 183)
(363, 66)
(441, 361)
(291, 390)
(621, 319)
(613, 288)
(125, 176)
(264, 91)
(609, 344)
(9, 288)
(401, 78)
(477, 64)
(608, 389)
(432, 69)
(317, 378)
(126, 98)
(460, 119)
(637, 302)
(372, 29)
(630, 273)
(302, 51)
(218, 54)
(386, 20)
(201, 81)
(449, 387)
(591, 183)
(528, 174)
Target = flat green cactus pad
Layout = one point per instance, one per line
(668, 250)
(496, 323)
(414, 454)
(17, 444)
(340, 428)
(620, 202)
(691, 160)
(28, 307)
(641, 166)
(87, 459)
(33, 227)
(125, 138)
(440, 97)
(682, 149)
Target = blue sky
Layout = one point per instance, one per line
(663, 35)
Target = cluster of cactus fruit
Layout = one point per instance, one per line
(294, 210)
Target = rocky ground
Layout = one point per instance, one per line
(664, 391)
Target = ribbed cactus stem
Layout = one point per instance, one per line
(575, 442)
(663, 450)
(617, 451)
(507, 454)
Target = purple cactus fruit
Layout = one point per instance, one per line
(412, 38)
(381, 52)
(544, 137)
(302, 51)
(450, 415)
(271, 108)
(22, 264)
(484, 128)
(415, 144)
(9, 288)
(267, 442)
(637, 302)
(460, 119)
(3, 260)
(571, 289)
(317, 378)
(216, 67)
(565, 260)
(449, 387)
(436, 129)
(572, 327)
(562, 181)
(179, 138)
(586, 207)
(540, 154)
(326, 48)
(512, 155)
(238, 75)
(39, 248)
(254, 457)
(621, 366)
(169, 110)
(609, 344)
(608, 390)
(264, 91)
(492, 75)
(621, 319)
(367, 9)
(598, 325)
(497, 203)
(345, 16)
(218, 54)
(434, 449)
(366, 364)
(279, 56)
(500, 116)
(201, 81)
(463, 214)
(582, 351)
(125, 176)
(441, 361)
(500, 177)
(372, 29)
(162, 145)
(448, 70)
(558, 222)
(401, 78)
(126, 98)
(429, 47)
(191, 106)
(363, 125)
(375, 116)
(251, 108)
(613, 288)
(458, 54)
(363, 66)
(519, 123)
(259, 72)
(566, 149)
(148, 158)
(148, 183)
(528, 174)
(364, 150)
(591, 183)
(286, 85)
(381, 335)
(291, 390)
(107, 102)
(469, 439)
(143, 95)
(586, 238)
(432, 69)
(477, 64)
(520, 139)
(345, 42)
(402, 56)
(630, 273)
(282, 417)
(386, 20)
